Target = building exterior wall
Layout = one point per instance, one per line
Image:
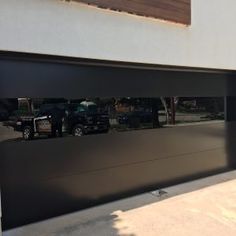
(74, 29)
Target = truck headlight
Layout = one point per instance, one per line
(18, 123)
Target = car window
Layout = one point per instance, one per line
(92, 108)
(80, 109)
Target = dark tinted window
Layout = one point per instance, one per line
(93, 116)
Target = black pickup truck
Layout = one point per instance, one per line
(78, 120)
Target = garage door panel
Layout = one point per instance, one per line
(74, 81)
(69, 193)
(48, 158)
(48, 177)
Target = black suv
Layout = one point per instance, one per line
(85, 118)
(78, 120)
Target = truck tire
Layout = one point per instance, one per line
(78, 131)
(27, 133)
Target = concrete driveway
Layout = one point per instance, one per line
(210, 211)
(203, 207)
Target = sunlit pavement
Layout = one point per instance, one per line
(202, 207)
(210, 211)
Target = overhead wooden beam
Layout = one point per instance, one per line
(178, 11)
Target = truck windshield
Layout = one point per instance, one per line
(92, 108)
(89, 109)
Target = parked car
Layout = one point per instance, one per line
(78, 120)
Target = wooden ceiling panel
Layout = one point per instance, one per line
(178, 11)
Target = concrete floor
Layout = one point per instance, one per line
(203, 207)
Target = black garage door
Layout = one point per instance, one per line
(128, 145)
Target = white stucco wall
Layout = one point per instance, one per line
(74, 29)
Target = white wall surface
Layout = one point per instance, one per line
(74, 29)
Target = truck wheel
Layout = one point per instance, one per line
(78, 131)
(28, 133)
